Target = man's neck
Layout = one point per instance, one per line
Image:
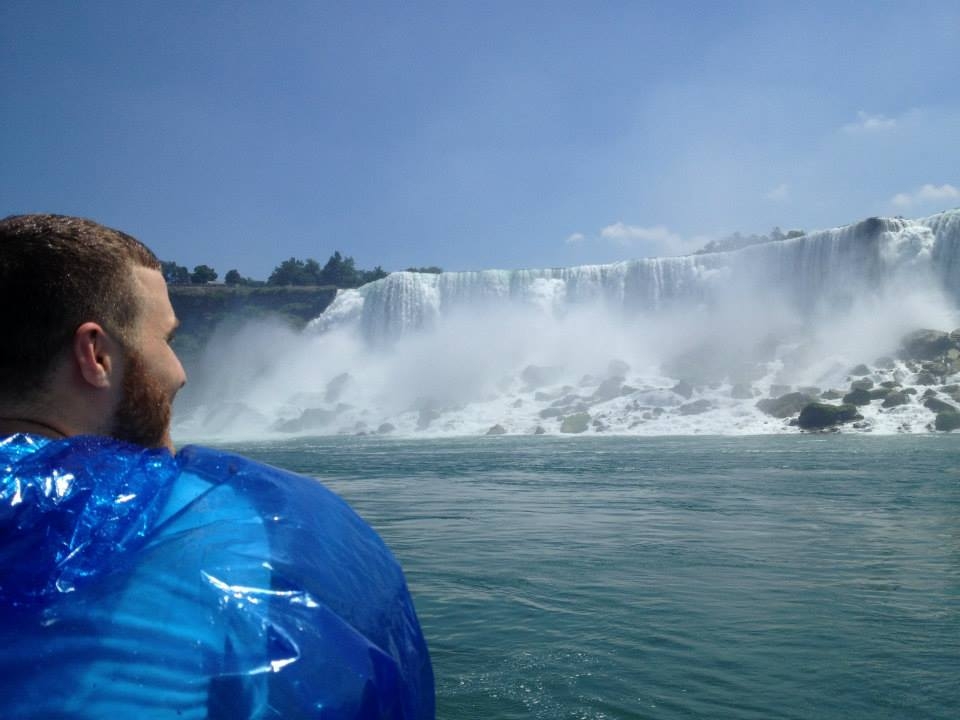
(13, 425)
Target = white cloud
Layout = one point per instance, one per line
(779, 193)
(575, 238)
(926, 194)
(657, 239)
(867, 123)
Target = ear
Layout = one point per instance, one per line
(97, 355)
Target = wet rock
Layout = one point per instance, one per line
(576, 423)
(810, 390)
(925, 378)
(617, 368)
(860, 370)
(880, 393)
(552, 412)
(925, 344)
(910, 391)
(857, 397)
(950, 389)
(336, 387)
(864, 384)
(832, 395)
(889, 384)
(497, 430)
(608, 390)
(895, 398)
(683, 389)
(427, 416)
(947, 421)
(538, 430)
(929, 393)
(817, 416)
(696, 407)
(785, 405)
(938, 406)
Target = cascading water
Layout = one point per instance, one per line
(650, 346)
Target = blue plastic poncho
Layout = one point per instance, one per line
(134, 584)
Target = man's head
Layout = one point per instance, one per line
(87, 320)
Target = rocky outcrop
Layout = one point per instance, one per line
(819, 416)
(785, 405)
(577, 423)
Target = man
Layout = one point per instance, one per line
(139, 584)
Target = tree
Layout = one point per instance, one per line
(340, 272)
(367, 276)
(433, 269)
(202, 274)
(233, 278)
(289, 272)
(174, 274)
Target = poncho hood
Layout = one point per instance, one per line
(73, 509)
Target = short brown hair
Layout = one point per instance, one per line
(56, 273)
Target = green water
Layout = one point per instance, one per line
(771, 577)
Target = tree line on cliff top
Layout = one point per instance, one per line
(339, 272)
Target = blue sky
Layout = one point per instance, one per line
(474, 135)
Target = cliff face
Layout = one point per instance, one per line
(203, 308)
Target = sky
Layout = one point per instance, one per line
(474, 135)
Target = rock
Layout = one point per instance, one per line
(785, 405)
(817, 416)
(880, 393)
(696, 407)
(566, 401)
(910, 391)
(427, 416)
(497, 430)
(684, 389)
(809, 390)
(551, 412)
(895, 398)
(950, 389)
(742, 391)
(608, 390)
(538, 430)
(617, 368)
(860, 370)
(536, 376)
(832, 395)
(336, 387)
(947, 421)
(925, 344)
(934, 368)
(889, 384)
(925, 378)
(929, 393)
(576, 423)
(385, 428)
(864, 384)
(857, 397)
(938, 406)
(885, 363)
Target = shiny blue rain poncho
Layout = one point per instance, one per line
(137, 585)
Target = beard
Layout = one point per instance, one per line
(142, 416)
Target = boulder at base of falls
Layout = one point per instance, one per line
(863, 384)
(608, 390)
(576, 423)
(684, 389)
(938, 406)
(895, 398)
(785, 405)
(696, 407)
(857, 396)
(497, 430)
(925, 344)
(860, 370)
(947, 421)
(817, 416)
